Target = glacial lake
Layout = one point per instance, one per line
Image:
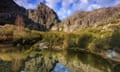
(56, 61)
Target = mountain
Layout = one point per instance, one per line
(9, 6)
(44, 18)
(41, 18)
(9, 10)
(85, 19)
(43, 15)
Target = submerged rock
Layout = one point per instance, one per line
(112, 54)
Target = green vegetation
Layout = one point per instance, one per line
(95, 39)
(52, 39)
(115, 39)
(19, 36)
(84, 40)
(17, 33)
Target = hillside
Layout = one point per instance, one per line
(41, 18)
(85, 19)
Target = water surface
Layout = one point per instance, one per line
(59, 61)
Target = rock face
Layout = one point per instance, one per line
(40, 19)
(9, 6)
(9, 10)
(44, 16)
(85, 19)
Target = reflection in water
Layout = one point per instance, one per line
(92, 60)
(117, 68)
(5, 66)
(77, 62)
(60, 68)
(39, 64)
(64, 61)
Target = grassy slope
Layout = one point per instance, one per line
(97, 38)
(12, 32)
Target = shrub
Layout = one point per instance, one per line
(100, 41)
(84, 40)
(53, 39)
(71, 40)
(115, 39)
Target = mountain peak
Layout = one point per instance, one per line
(42, 4)
(9, 6)
(44, 15)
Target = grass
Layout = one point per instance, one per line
(103, 36)
(19, 35)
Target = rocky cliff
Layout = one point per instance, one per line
(43, 15)
(86, 19)
(9, 10)
(41, 18)
(9, 6)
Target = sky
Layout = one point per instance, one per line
(65, 8)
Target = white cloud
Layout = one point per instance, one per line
(52, 3)
(27, 5)
(93, 6)
(105, 2)
(66, 3)
(68, 7)
(84, 1)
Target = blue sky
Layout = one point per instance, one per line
(65, 8)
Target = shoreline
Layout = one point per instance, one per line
(98, 54)
(71, 49)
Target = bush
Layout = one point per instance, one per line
(53, 39)
(84, 40)
(100, 41)
(115, 39)
(71, 40)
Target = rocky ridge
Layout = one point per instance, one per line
(9, 6)
(41, 18)
(85, 19)
(44, 18)
(43, 15)
(9, 10)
